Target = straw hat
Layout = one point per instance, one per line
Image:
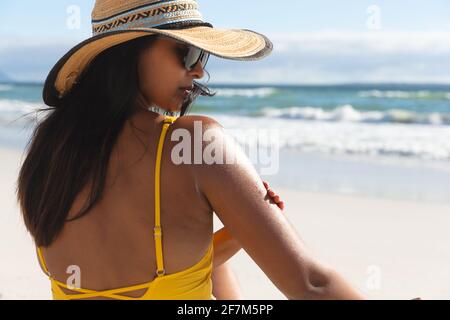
(118, 21)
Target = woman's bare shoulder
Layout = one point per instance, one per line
(188, 122)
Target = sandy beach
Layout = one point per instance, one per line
(388, 249)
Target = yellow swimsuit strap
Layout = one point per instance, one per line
(157, 229)
(42, 261)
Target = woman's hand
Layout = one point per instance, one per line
(274, 196)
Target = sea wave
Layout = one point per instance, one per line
(398, 94)
(347, 113)
(12, 111)
(249, 93)
(5, 87)
(415, 141)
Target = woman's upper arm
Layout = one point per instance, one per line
(238, 197)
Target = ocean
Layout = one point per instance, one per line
(398, 136)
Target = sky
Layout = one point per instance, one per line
(315, 42)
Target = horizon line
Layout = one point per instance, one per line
(325, 84)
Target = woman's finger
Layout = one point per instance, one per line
(273, 195)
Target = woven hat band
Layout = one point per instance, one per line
(150, 15)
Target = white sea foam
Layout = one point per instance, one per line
(342, 130)
(347, 113)
(5, 87)
(249, 93)
(419, 141)
(398, 94)
(12, 110)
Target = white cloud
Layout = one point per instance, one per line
(373, 41)
(316, 57)
(339, 57)
(30, 59)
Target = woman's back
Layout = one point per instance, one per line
(92, 90)
(114, 245)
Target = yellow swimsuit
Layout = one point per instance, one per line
(194, 283)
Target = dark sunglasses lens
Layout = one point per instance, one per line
(195, 55)
(204, 59)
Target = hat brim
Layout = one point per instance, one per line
(234, 44)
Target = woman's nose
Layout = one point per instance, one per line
(198, 71)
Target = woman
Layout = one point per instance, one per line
(112, 213)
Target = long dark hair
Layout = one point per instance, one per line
(71, 146)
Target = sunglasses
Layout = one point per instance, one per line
(193, 55)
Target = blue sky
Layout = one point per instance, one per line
(321, 41)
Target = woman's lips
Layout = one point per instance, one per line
(185, 92)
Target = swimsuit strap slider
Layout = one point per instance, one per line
(157, 231)
(160, 273)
